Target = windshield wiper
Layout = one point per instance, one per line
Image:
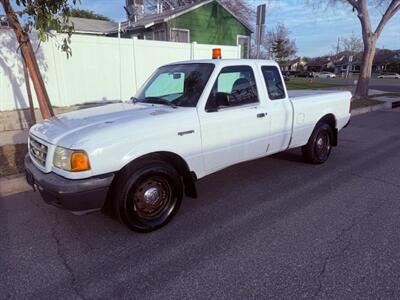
(155, 100)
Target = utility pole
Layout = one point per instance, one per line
(338, 46)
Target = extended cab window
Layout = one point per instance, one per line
(178, 85)
(274, 83)
(234, 86)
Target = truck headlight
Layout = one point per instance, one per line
(71, 160)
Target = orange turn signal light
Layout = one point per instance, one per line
(217, 53)
(79, 162)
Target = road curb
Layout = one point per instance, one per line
(11, 185)
(364, 110)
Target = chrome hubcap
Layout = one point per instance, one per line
(320, 142)
(323, 145)
(151, 196)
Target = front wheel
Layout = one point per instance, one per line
(148, 195)
(319, 145)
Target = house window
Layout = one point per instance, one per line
(244, 42)
(180, 35)
(159, 35)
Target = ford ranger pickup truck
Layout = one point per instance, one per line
(190, 119)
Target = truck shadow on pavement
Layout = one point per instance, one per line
(293, 155)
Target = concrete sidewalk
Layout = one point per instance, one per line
(11, 185)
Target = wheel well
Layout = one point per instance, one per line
(179, 164)
(331, 121)
(189, 178)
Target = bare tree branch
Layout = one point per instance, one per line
(354, 3)
(392, 9)
(370, 37)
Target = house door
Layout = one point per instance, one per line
(244, 42)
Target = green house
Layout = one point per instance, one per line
(204, 22)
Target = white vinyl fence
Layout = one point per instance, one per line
(100, 69)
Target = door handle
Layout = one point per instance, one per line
(261, 115)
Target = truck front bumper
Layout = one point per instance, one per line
(79, 196)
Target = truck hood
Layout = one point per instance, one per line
(97, 118)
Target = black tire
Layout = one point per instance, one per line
(319, 145)
(147, 195)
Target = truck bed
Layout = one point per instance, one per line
(294, 94)
(311, 105)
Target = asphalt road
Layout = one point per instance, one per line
(386, 85)
(271, 228)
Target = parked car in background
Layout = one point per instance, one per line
(305, 74)
(286, 77)
(324, 75)
(389, 75)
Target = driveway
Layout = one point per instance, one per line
(272, 228)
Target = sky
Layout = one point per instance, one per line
(315, 29)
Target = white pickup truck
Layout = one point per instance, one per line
(190, 119)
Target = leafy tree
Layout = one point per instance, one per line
(279, 44)
(39, 15)
(279, 49)
(369, 35)
(87, 14)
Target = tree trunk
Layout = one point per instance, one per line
(30, 60)
(29, 94)
(366, 68)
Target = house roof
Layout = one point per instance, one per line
(386, 55)
(343, 58)
(82, 25)
(319, 61)
(151, 20)
(381, 56)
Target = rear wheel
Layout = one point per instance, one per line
(147, 197)
(319, 146)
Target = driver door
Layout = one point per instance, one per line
(235, 124)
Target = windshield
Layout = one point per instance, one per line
(176, 85)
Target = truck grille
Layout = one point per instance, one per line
(38, 151)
